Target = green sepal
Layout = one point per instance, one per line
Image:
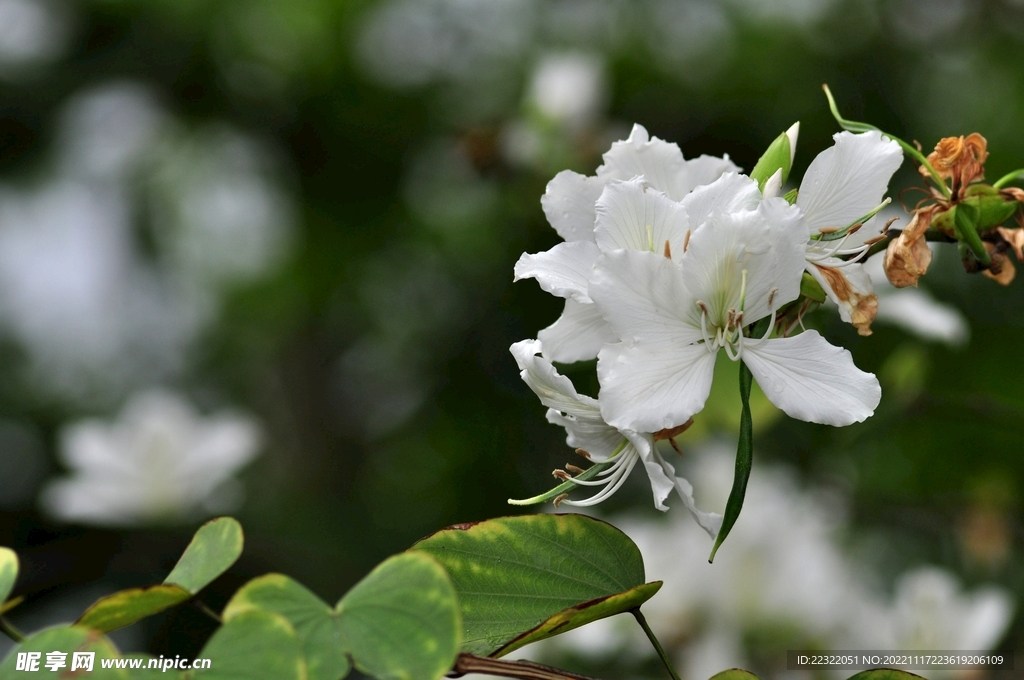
(810, 288)
(965, 221)
(993, 209)
(777, 157)
(791, 195)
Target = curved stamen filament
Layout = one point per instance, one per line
(614, 482)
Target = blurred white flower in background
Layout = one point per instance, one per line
(568, 87)
(114, 262)
(784, 570)
(33, 33)
(159, 461)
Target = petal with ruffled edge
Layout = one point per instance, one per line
(578, 334)
(579, 414)
(651, 387)
(849, 286)
(812, 380)
(726, 194)
(564, 270)
(661, 163)
(848, 180)
(568, 203)
(634, 216)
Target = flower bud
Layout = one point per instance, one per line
(778, 156)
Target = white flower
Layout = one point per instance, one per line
(843, 185)
(568, 87)
(571, 204)
(587, 431)
(159, 461)
(673, 317)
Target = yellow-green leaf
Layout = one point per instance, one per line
(128, 606)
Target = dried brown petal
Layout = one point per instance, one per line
(860, 305)
(908, 256)
(959, 158)
(1002, 269)
(1015, 237)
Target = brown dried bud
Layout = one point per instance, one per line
(1001, 269)
(961, 159)
(908, 256)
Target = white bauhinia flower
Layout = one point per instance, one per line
(573, 204)
(673, 317)
(843, 186)
(589, 434)
(160, 461)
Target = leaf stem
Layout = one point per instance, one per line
(201, 606)
(524, 670)
(654, 641)
(10, 631)
(1006, 179)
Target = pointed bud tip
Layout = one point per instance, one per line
(793, 133)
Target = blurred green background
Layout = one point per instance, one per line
(384, 163)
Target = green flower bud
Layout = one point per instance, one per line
(778, 156)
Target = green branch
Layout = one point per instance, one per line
(654, 641)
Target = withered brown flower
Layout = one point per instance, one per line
(961, 159)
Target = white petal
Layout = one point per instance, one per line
(568, 203)
(661, 483)
(661, 163)
(563, 271)
(648, 388)
(773, 187)
(703, 170)
(812, 380)
(634, 216)
(855, 284)
(591, 434)
(579, 414)
(642, 297)
(710, 522)
(768, 244)
(729, 193)
(848, 180)
(577, 335)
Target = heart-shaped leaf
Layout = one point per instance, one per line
(8, 572)
(213, 549)
(885, 674)
(67, 640)
(401, 622)
(314, 621)
(255, 645)
(514, 574)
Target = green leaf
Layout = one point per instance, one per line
(513, 574)
(734, 674)
(315, 622)
(128, 606)
(68, 639)
(582, 614)
(213, 549)
(401, 622)
(8, 572)
(885, 674)
(255, 645)
(744, 460)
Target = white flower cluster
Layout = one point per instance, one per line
(666, 261)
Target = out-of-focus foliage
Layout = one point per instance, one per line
(310, 210)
